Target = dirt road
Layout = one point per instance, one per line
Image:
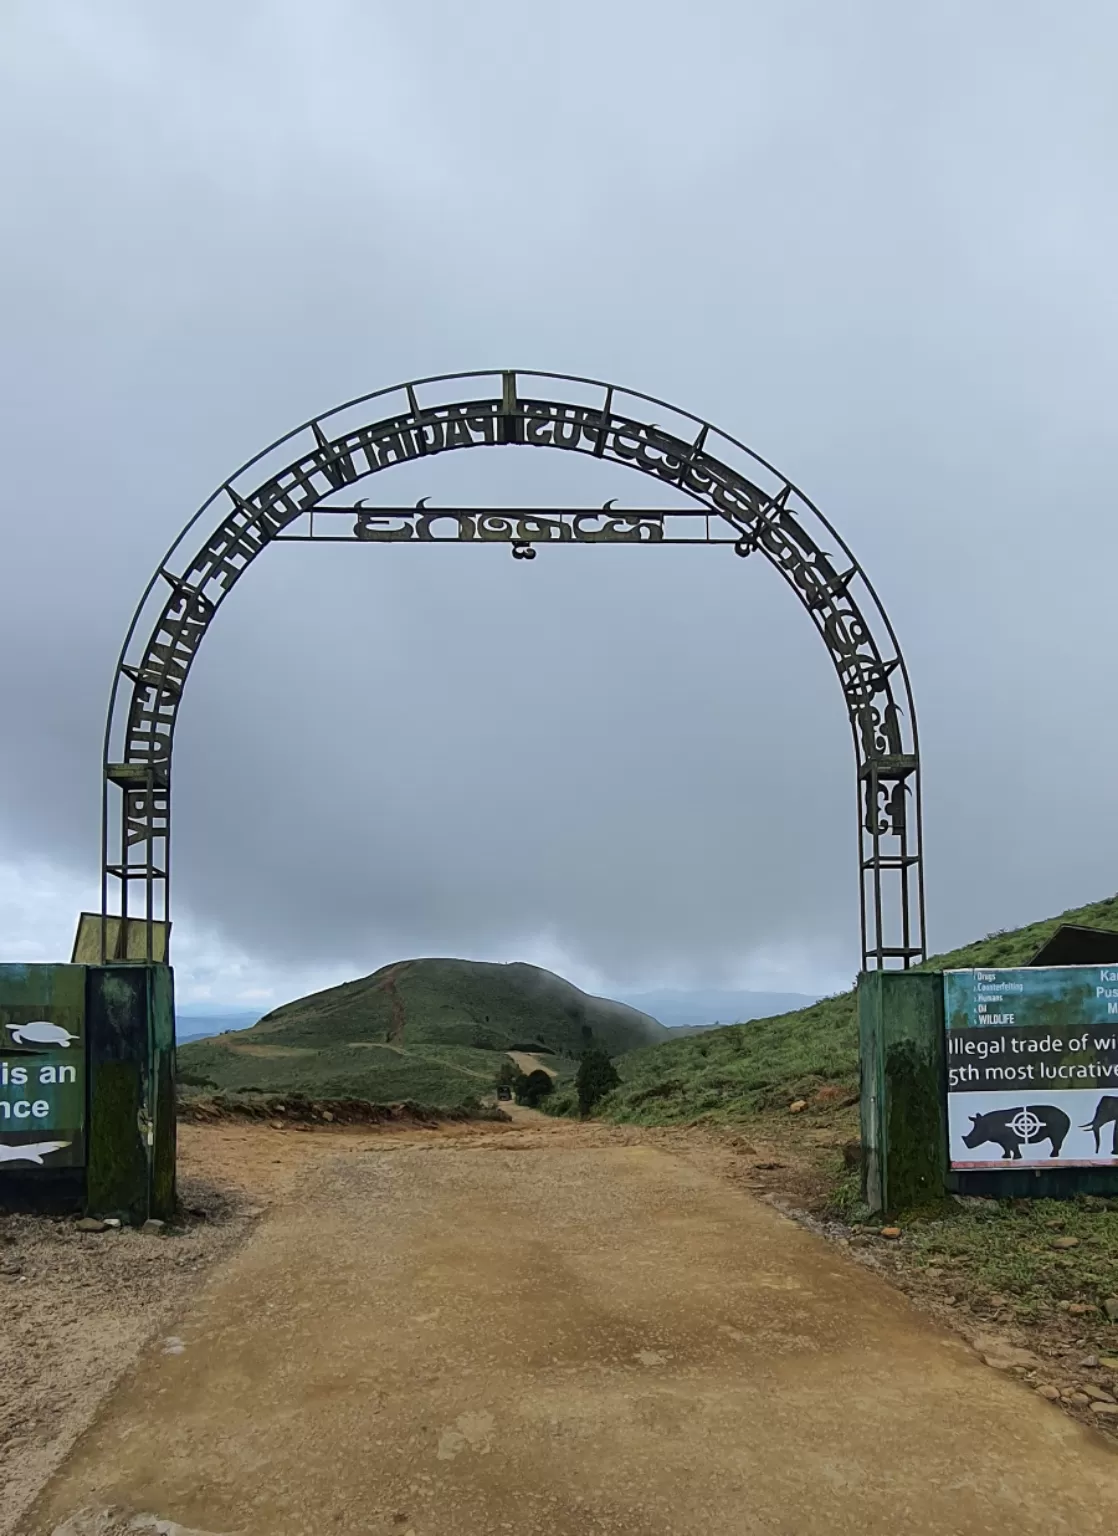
(563, 1330)
(529, 1063)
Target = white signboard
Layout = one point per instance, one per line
(1032, 1066)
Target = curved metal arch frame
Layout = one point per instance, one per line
(767, 513)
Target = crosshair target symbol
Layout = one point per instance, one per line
(1025, 1124)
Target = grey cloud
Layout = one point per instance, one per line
(876, 243)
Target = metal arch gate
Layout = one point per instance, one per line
(735, 498)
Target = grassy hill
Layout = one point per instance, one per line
(433, 1031)
(744, 1069)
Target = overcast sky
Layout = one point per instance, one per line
(874, 241)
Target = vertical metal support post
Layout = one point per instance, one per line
(890, 849)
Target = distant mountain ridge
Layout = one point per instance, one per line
(435, 1030)
(731, 1074)
(700, 1008)
(681, 1008)
(200, 1026)
(463, 1002)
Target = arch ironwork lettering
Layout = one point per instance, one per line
(296, 490)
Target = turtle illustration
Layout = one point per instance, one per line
(31, 1152)
(41, 1032)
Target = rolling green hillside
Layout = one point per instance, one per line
(743, 1069)
(434, 1031)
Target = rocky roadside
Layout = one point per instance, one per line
(300, 1113)
(1069, 1357)
(1031, 1285)
(78, 1301)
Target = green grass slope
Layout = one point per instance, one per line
(460, 1002)
(382, 1074)
(433, 1031)
(744, 1069)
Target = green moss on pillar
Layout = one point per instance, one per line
(117, 1173)
(163, 1148)
(130, 1017)
(904, 1132)
(915, 1126)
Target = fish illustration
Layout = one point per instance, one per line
(41, 1032)
(31, 1152)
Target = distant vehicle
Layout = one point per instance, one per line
(504, 1092)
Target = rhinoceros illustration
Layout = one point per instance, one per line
(30, 1152)
(40, 1032)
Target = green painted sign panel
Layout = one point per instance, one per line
(1032, 1066)
(42, 1067)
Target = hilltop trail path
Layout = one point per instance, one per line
(527, 1062)
(548, 1327)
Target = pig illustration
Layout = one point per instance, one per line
(1008, 1128)
(1106, 1113)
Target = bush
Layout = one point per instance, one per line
(596, 1077)
(536, 1086)
(559, 1104)
(507, 1074)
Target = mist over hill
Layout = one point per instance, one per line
(191, 1025)
(691, 1008)
(733, 1073)
(432, 1030)
(680, 1008)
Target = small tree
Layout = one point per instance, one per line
(596, 1077)
(536, 1086)
(507, 1073)
(540, 1084)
